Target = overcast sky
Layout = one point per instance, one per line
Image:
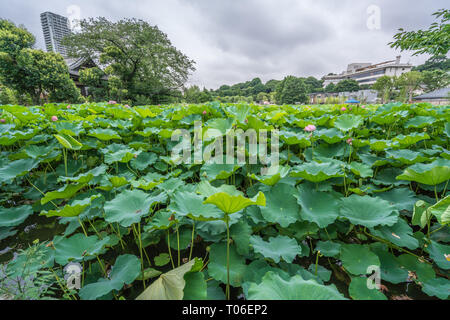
(237, 40)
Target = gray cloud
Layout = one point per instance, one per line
(234, 41)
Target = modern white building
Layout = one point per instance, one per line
(367, 73)
(55, 27)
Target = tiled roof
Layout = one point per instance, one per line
(436, 94)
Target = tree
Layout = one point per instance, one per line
(435, 79)
(33, 72)
(271, 85)
(408, 82)
(313, 84)
(440, 62)
(331, 87)
(291, 90)
(194, 95)
(347, 85)
(434, 41)
(384, 85)
(138, 54)
(93, 78)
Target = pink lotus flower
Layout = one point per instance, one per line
(310, 128)
(54, 118)
(2, 120)
(204, 112)
(135, 156)
(350, 109)
(363, 107)
(127, 106)
(246, 120)
(350, 141)
(112, 102)
(68, 107)
(343, 109)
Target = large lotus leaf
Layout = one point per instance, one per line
(420, 214)
(368, 211)
(400, 198)
(391, 269)
(328, 248)
(239, 111)
(14, 216)
(196, 287)
(431, 174)
(69, 128)
(441, 211)
(144, 160)
(6, 232)
(130, 206)
(118, 153)
(68, 142)
(374, 161)
(387, 177)
(126, 269)
(440, 253)
(359, 290)
(217, 128)
(231, 204)
(66, 192)
(406, 141)
(400, 234)
(35, 151)
(319, 207)
(281, 207)
(330, 136)
(217, 267)
(360, 169)
(295, 138)
(206, 189)
(439, 287)
(422, 270)
(317, 172)
(190, 204)
(17, 168)
(420, 122)
(357, 258)
(406, 156)
(381, 145)
(87, 176)
(348, 122)
(78, 248)
(276, 248)
(72, 210)
(273, 175)
(214, 171)
(273, 287)
(240, 233)
(104, 134)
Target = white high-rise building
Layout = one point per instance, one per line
(55, 27)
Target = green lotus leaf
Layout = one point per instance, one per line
(161, 220)
(170, 285)
(126, 269)
(130, 206)
(423, 270)
(206, 189)
(447, 129)
(359, 290)
(69, 128)
(360, 169)
(191, 205)
(43, 151)
(400, 198)
(381, 145)
(149, 273)
(357, 258)
(328, 248)
(78, 248)
(273, 175)
(391, 269)
(348, 122)
(217, 267)
(441, 210)
(239, 111)
(240, 232)
(214, 171)
(319, 207)
(273, 287)
(68, 142)
(431, 174)
(14, 216)
(406, 141)
(87, 176)
(14, 169)
(387, 177)
(420, 214)
(144, 160)
(330, 136)
(406, 156)
(281, 207)
(400, 234)
(420, 122)
(66, 192)
(368, 211)
(104, 134)
(118, 153)
(439, 287)
(6, 232)
(317, 172)
(162, 259)
(440, 253)
(276, 248)
(217, 128)
(72, 210)
(295, 138)
(230, 204)
(196, 287)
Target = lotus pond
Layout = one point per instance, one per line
(361, 193)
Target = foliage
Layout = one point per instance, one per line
(347, 85)
(291, 90)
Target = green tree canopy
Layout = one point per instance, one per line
(30, 71)
(291, 90)
(435, 40)
(408, 82)
(347, 85)
(140, 55)
(384, 85)
(439, 62)
(435, 79)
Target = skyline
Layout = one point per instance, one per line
(237, 42)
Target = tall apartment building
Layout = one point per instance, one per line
(367, 73)
(55, 27)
